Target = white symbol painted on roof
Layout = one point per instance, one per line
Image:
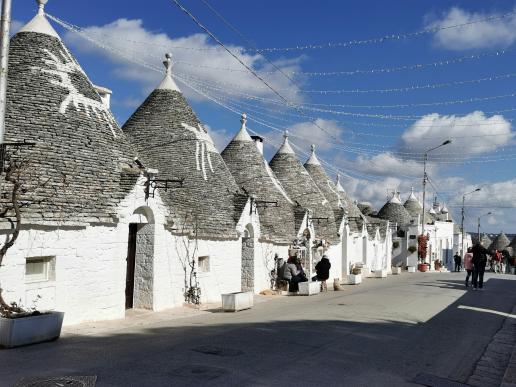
(64, 66)
(203, 146)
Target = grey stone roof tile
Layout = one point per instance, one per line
(501, 242)
(169, 137)
(301, 188)
(79, 148)
(251, 171)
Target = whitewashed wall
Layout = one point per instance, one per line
(352, 249)
(90, 270)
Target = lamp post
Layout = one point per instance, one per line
(478, 224)
(425, 178)
(462, 223)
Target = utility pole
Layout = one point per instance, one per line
(5, 25)
(478, 225)
(424, 194)
(425, 178)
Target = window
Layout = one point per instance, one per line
(39, 269)
(204, 264)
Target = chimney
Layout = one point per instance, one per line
(258, 141)
(105, 95)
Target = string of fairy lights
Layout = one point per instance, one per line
(235, 99)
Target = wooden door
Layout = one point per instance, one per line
(131, 257)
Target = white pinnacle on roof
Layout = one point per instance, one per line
(286, 148)
(432, 211)
(395, 198)
(39, 23)
(243, 135)
(339, 186)
(412, 196)
(313, 158)
(444, 210)
(168, 83)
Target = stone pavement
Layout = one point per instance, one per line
(494, 367)
(407, 330)
(509, 378)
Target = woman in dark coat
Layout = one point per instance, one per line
(322, 269)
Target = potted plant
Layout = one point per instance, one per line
(412, 249)
(438, 265)
(19, 325)
(355, 277)
(422, 246)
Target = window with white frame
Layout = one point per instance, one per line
(39, 269)
(204, 264)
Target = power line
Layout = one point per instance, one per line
(382, 39)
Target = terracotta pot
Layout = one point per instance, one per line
(423, 267)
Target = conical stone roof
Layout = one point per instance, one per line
(79, 169)
(302, 189)
(501, 242)
(323, 182)
(394, 212)
(252, 172)
(512, 247)
(412, 205)
(169, 136)
(513, 243)
(347, 202)
(485, 240)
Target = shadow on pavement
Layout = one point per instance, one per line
(234, 350)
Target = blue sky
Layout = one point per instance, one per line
(375, 154)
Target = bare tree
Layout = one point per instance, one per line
(22, 187)
(186, 245)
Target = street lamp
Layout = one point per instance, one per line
(462, 224)
(478, 229)
(425, 178)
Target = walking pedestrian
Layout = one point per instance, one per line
(468, 265)
(479, 265)
(457, 260)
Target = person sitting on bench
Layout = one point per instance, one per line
(322, 269)
(295, 271)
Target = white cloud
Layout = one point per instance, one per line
(132, 39)
(387, 164)
(497, 32)
(471, 135)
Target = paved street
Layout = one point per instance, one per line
(383, 332)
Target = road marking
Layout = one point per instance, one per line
(486, 311)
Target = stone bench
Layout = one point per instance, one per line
(309, 288)
(380, 273)
(233, 302)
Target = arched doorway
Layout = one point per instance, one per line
(139, 283)
(248, 259)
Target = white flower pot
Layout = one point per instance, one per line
(15, 332)
(309, 288)
(354, 279)
(411, 269)
(396, 270)
(380, 273)
(233, 302)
